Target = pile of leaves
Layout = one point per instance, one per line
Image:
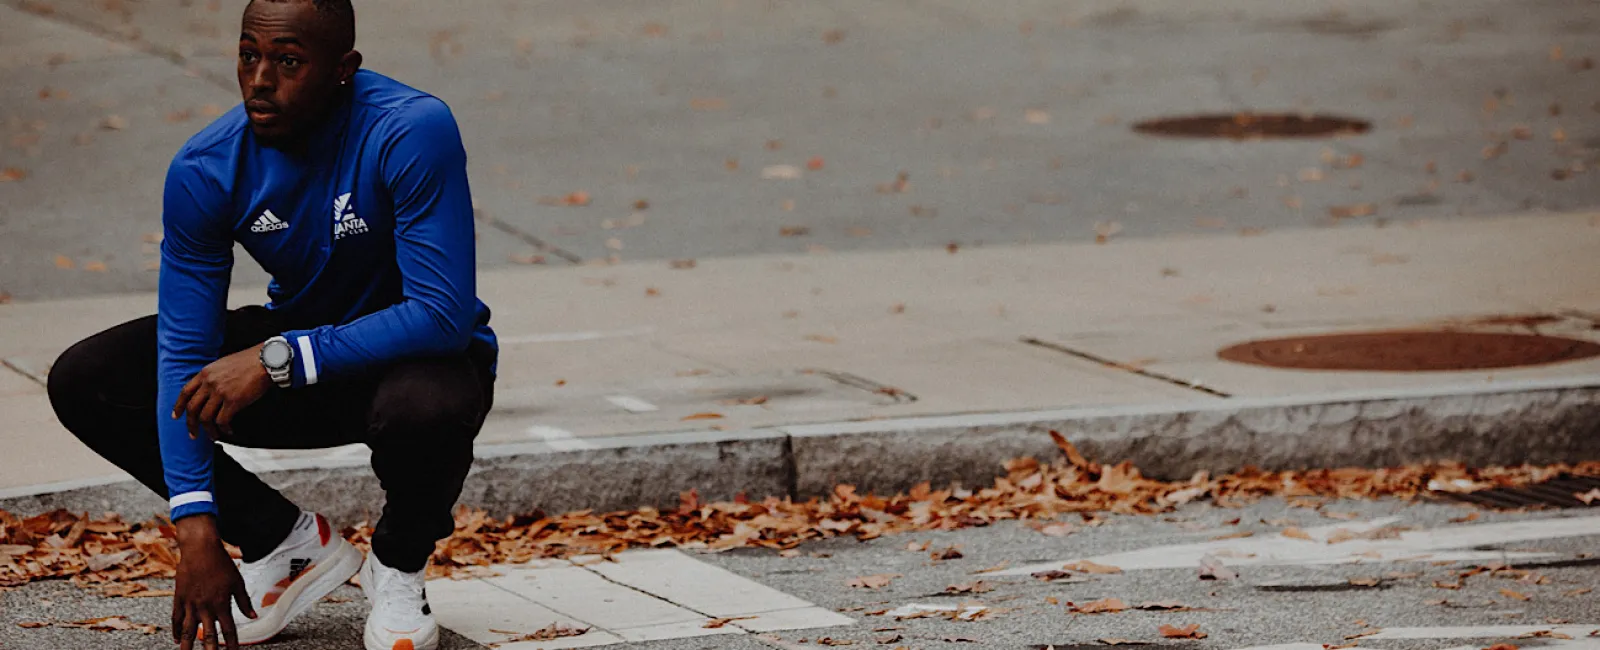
(106, 552)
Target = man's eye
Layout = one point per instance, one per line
(289, 62)
(247, 57)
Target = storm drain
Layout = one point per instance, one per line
(1411, 351)
(1564, 491)
(1253, 126)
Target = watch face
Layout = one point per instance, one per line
(275, 354)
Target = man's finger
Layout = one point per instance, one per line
(184, 396)
(230, 636)
(197, 402)
(208, 630)
(225, 418)
(208, 414)
(177, 620)
(241, 596)
(188, 629)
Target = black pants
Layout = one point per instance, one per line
(419, 417)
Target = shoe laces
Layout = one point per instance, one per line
(397, 596)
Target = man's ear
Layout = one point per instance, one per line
(348, 65)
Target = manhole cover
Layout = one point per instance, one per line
(1411, 351)
(1252, 126)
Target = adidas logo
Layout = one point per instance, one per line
(268, 222)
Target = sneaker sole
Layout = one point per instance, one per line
(430, 642)
(317, 582)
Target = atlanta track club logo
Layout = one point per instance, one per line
(345, 221)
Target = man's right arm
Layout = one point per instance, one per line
(196, 266)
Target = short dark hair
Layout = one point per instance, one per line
(338, 21)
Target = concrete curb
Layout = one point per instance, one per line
(1536, 422)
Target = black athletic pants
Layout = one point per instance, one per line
(419, 416)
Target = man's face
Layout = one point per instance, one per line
(287, 71)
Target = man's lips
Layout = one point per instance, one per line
(260, 111)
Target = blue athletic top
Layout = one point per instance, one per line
(368, 235)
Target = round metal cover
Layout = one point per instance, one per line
(1253, 126)
(1416, 351)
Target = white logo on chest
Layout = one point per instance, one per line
(345, 221)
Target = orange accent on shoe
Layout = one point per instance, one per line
(403, 644)
(324, 530)
(283, 585)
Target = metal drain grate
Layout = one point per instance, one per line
(1559, 492)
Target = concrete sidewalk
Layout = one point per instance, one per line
(782, 374)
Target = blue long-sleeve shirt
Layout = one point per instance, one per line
(367, 233)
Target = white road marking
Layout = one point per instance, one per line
(571, 337)
(559, 439)
(643, 595)
(632, 404)
(1272, 549)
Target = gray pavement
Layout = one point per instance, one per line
(1010, 119)
(1297, 603)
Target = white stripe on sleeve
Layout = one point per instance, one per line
(189, 497)
(309, 358)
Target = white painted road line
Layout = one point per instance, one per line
(1271, 549)
(632, 404)
(644, 595)
(558, 439)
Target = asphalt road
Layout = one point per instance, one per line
(1009, 119)
(1299, 602)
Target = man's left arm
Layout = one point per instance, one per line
(425, 165)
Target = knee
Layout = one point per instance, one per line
(74, 385)
(429, 409)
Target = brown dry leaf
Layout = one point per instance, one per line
(1503, 646)
(877, 581)
(12, 174)
(833, 36)
(111, 624)
(978, 587)
(1352, 211)
(947, 553)
(1191, 631)
(1545, 634)
(719, 622)
(32, 625)
(95, 267)
(1103, 606)
(1295, 533)
(1056, 530)
(1515, 594)
(1036, 116)
(1165, 606)
(793, 231)
(821, 338)
(1365, 582)
(1577, 592)
(1085, 566)
(1496, 150)
(681, 264)
(64, 263)
(1105, 230)
(702, 416)
(1358, 635)
(1587, 497)
(1239, 535)
(114, 123)
(708, 104)
(549, 632)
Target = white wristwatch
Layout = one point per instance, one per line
(277, 356)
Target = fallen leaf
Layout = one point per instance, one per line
(886, 639)
(814, 164)
(549, 632)
(1352, 211)
(1164, 606)
(1239, 535)
(1365, 582)
(821, 338)
(95, 267)
(708, 104)
(1085, 566)
(114, 123)
(1587, 497)
(1545, 634)
(978, 587)
(793, 231)
(681, 264)
(1212, 568)
(32, 625)
(111, 624)
(1496, 150)
(1191, 631)
(12, 174)
(833, 36)
(877, 581)
(1057, 530)
(702, 416)
(1358, 635)
(1035, 116)
(1577, 592)
(719, 622)
(1515, 594)
(64, 263)
(1103, 606)
(1105, 230)
(1116, 641)
(947, 553)
(1296, 533)
(1503, 646)
(902, 182)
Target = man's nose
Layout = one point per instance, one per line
(263, 79)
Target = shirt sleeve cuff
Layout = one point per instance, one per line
(191, 503)
(304, 370)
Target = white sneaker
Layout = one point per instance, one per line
(309, 564)
(400, 618)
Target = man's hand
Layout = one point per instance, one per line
(207, 581)
(219, 391)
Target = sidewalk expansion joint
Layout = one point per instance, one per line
(1125, 367)
(530, 239)
(19, 368)
(38, 10)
